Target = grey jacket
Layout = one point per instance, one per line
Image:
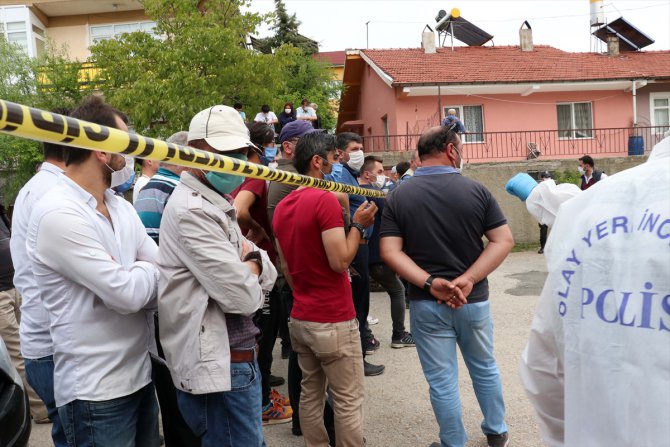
(201, 279)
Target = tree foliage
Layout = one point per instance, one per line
(285, 29)
(46, 82)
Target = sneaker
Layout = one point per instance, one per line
(405, 341)
(501, 440)
(372, 320)
(371, 346)
(372, 370)
(276, 381)
(275, 413)
(541, 250)
(277, 397)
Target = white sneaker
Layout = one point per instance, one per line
(372, 320)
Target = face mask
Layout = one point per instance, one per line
(271, 153)
(127, 185)
(287, 111)
(122, 175)
(356, 160)
(581, 170)
(462, 164)
(381, 180)
(226, 183)
(337, 169)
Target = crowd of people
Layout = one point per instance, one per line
(170, 306)
(306, 112)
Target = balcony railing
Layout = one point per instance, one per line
(522, 145)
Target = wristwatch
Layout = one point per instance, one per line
(428, 283)
(359, 227)
(255, 256)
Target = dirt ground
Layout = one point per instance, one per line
(397, 407)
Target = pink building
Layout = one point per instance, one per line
(510, 100)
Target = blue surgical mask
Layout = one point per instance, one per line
(271, 153)
(223, 182)
(127, 185)
(337, 169)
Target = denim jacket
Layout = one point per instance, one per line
(202, 279)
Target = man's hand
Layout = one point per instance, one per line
(246, 249)
(448, 293)
(257, 235)
(465, 284)
(365, 214)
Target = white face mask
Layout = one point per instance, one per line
(122, 175)
(356, 160)
(581, 170)
(380, 182)
(287, 111)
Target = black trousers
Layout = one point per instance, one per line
(268, 322)
(543, 235)
(360, 289)
(175, 430)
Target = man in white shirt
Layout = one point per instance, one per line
(93, 263)
(36, 344)
(305, 112)
(266, 116)
(149, 169)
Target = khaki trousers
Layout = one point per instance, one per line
(10, 317)
(329, 354)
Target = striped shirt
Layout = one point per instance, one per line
(152, 199)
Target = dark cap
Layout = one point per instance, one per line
(295, 129)
(545, 174)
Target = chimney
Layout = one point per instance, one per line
(428, 40)
(526, 36)
(612, 45)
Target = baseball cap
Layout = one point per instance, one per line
(295, 129)
(222, 128)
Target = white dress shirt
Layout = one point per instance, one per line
(34, 328)
(139, 184)
(96, 278)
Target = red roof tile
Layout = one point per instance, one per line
(508, 64)
(332, 57)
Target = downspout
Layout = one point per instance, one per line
(634, 105)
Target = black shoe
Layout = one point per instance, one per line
(276, 381)
(285, 351)
(541, 250)
(296, 431)
(371, 346)
(404, 341)
(501, 440)
(436, 444)
(372, 370)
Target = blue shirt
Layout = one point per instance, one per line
(348, 176)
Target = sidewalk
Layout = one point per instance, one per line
(397, 406)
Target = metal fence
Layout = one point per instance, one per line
(522, 145)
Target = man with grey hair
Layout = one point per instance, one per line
(150, 203)
(453, 122)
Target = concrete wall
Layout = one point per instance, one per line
(377, 100)
(495, 175)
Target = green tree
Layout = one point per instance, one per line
(285, 29)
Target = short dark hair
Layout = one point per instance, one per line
(309, 145)
(95, 110)
(435, 140)
(587, 160)
(401, 168)
(344, 138)
(304, 100)
(370, 161)
(265, 108)
(53, 151)
(237, 106)
(260, 134)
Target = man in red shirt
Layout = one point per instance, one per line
(316, 253)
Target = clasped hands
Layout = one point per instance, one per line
(452, 293)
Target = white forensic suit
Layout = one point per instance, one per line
(597, 364)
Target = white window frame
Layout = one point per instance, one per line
(652, 108)
(467, 138)
(573, 125)
(114, 33)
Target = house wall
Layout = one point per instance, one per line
(377, 99)
(73, 30)
(644, 102)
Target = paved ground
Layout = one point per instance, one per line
(397, 407)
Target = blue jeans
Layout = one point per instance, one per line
(437, 330)
(127, 421)
(40, 376)
(229, 418)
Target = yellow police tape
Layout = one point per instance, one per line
(35, 124)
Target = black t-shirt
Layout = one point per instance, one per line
(6, 265)
(442, 219)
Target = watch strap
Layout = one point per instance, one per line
(428, 283)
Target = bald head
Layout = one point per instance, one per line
(451, 112)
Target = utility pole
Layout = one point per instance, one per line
(367, 35)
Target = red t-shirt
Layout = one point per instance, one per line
(258, 211)
(319, 294)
